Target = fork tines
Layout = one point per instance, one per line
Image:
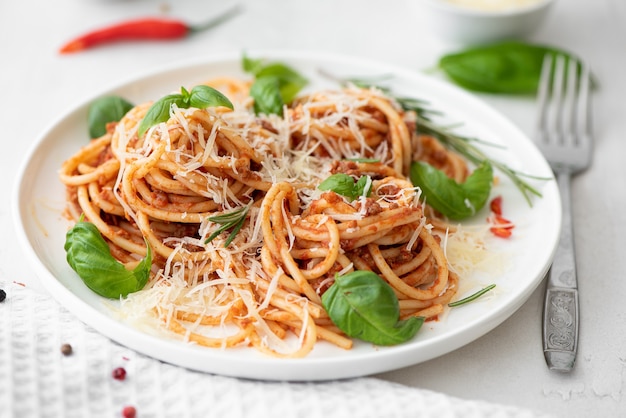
(563, 103)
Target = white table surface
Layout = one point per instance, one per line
(506, 366)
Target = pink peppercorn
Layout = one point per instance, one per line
(129, 412)
(119, 373)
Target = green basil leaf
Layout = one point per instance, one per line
(104, 110)
(360, 185)
(345, 185)
(509, 67)
(267, 97)
(186, 96)
(454, 200)
(89, 255)
(290, 81)
(339, 183)
(251, 65)
(364, 306)
(275, 85)
(160, 111)
(202, 96)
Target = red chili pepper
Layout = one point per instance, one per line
(496, 205)
(501, 232)
(502, 227)
(141, 29)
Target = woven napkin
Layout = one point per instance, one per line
(38, 380)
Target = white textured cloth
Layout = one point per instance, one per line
(38, 380)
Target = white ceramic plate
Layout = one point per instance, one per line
(39, 202)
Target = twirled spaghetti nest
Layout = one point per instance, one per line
(163, 188)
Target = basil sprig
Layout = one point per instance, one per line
(345, 185)
(104, 110)
(508, 67)
(364, 306)
(275, 84)
(200, 97)
(234, 219)
(90, 257)
(452, 199)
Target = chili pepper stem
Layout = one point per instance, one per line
(215, 21)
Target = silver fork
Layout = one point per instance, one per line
(563, 136)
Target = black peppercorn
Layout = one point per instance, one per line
(3, 295)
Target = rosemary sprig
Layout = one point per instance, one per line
(472, 297)
(463, 145)
(446, 135)
(364, 160)
(233, 219)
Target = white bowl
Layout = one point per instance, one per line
(465, 24)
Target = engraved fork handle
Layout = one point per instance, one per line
(560, 314)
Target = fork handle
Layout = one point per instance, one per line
(560, 314)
